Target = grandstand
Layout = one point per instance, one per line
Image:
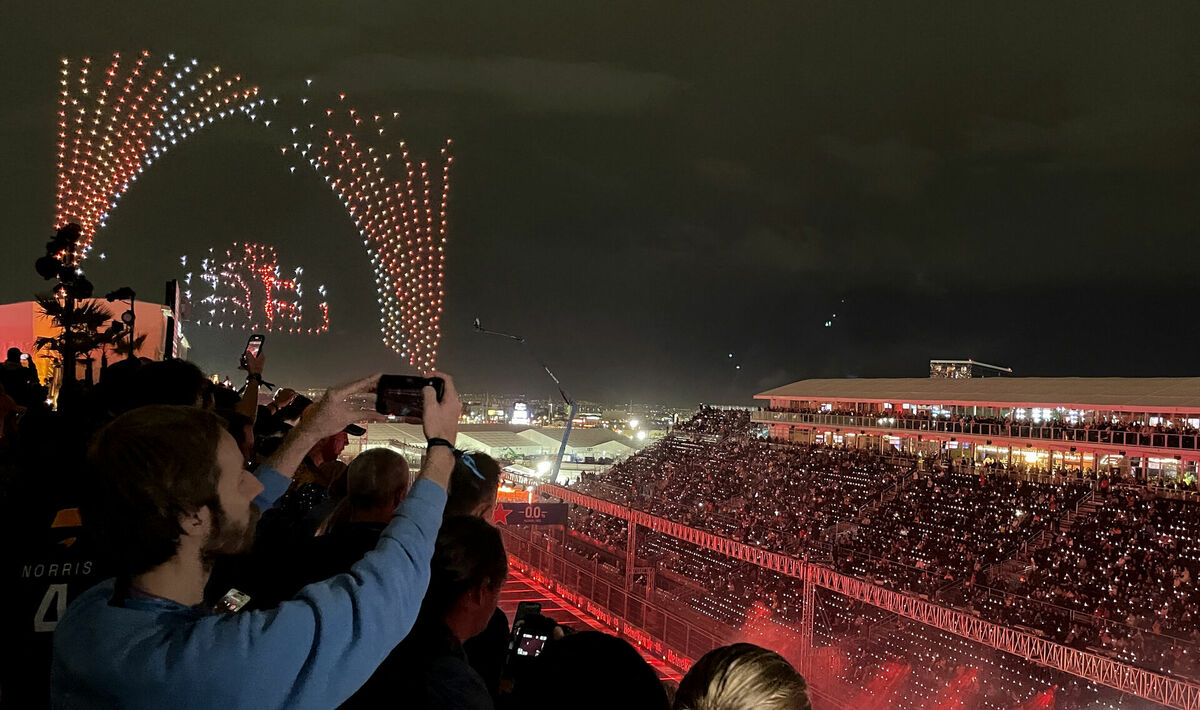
(936, 578)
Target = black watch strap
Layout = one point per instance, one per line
(438, 441)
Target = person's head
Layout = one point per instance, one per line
(570, 667)
(329, 448)
(171, 382)
(468, 569)
(742, 676)
(14, 355)
(473, 485)
(169, 480)
(376, 481)
(224, 398)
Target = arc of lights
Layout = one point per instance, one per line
(116, 121)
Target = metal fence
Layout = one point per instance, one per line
(640, 615)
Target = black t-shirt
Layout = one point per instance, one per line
(427, 671)
(48, 560)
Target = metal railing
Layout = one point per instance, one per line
(646, 622)
(1098, 667)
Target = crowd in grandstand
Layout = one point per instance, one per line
(1118, 579)
(949, 527)
(139, 505)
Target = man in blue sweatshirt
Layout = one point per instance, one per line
(173, 495)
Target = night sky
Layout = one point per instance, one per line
(642, 191)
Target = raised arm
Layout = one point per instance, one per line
(328, 416)
(317, 649)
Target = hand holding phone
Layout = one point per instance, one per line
(402, 395)
(252, 355)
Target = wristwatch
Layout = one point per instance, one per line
(438, 441)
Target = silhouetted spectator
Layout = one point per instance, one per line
(19, 378)
(467, 572)
(591, 671)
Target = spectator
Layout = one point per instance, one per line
(591, 671)
(19, 378)
(309, 499)
(473, 486)
(9, 411)
(742, 677)
(177, 382)
(467, 572)
(378, 483)
(174, 496)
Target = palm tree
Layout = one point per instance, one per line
(86, 318)
(121, 344)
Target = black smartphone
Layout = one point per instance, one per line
(253, 347)
(400, 395)
(530, 630)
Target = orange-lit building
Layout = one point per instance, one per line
(1145, 426)
(21, 324)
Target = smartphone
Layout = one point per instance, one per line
(529, 644)
(25, 357)
(253, 346)
(232, 601)
(400, 395)
(525, 609)
(530, 630)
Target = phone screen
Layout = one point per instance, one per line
(530, 644)
(401, 396)
(25, 357)
(254, 345)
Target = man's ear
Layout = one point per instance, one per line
(196, 524)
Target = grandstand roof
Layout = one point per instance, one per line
(501, 436)
(496, 439)
(588, 438)
(1120, 393)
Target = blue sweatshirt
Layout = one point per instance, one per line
(313, 651)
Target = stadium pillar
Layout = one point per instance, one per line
(808, 611)
(630, 555)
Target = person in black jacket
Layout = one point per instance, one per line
(430, 666)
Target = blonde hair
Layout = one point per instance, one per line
(742, 676)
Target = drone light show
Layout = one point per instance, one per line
(118, 117)
(246, 289)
